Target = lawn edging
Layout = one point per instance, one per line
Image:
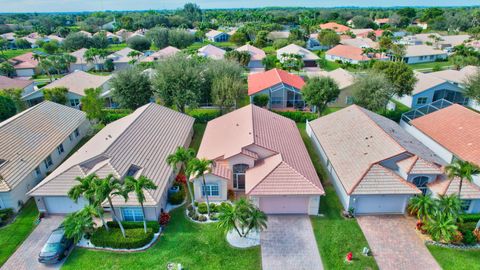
(87, 244)
(452, 246)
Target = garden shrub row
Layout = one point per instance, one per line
(134, 225)
(110, 117)
(178, 197)
(299, 117)
(470, 217)
(204, 115)
(5, 215)
(135, 238)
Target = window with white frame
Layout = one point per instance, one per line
(211, 190)
(421, 183)
(466, 205)
(74, 102)
(132, 214)
(60, 149)
(48, 162)
(422, 100)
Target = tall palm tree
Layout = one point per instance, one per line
(464, 170)
(78, 223)
(137, 186)
(182, 156)
(134, 55)
(44, 63)
(107, 187)
(198, 168)
(422, 205)
(87, 188)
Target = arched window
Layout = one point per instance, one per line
(421, 183)
(239, 175)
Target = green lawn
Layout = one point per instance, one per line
(431, 65)
(116, 47)
(12, 235)
(453, 259)
(335, 235)
(198, 130)
(14, 53)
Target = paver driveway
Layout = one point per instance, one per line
(289, 243)
(395, 244)
(25, 258)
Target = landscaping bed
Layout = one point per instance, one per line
(135, 237)
(201, 213)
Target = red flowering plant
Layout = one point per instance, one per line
(164, 218)
(181, 178)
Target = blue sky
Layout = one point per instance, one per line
(93, 5)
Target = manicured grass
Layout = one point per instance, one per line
(12, 235)
(195, 246)
(198, 130)
(454, 259)
(431, 65)
(116, 47)
(14, 53)
(335, 235)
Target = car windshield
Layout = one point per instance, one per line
(55, 237)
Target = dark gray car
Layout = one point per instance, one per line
(56, 248)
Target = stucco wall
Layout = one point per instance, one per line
(210, 179)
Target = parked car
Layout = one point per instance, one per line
(56, 248)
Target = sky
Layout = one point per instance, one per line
(99, 5)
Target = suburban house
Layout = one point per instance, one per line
(275, 35)
(375, 165)
(88, 34)
(282, 88)
(217, 36)
(273, 169)
(336, 27)
(313, 44)
(308, 57)
(212, 52)
(423, 54)
(27, 86)
(377, 33)
(430, 88)
(32, 144)
(76, 83)
(256, 55)
(111, 37)
(121, 59)
(135, 145)
(361, 43)
(124, 34)
(351, 54)
(381, 21)
(161, 54)
(25, 65)
(420, 24)
(436, 40)
(345, 81)
(81, 63)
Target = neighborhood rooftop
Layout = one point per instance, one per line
(78, 81)
(261, 81)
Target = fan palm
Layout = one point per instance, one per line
(422, 205)
(138, 186)
(78, 223)
(182, 156)
(107, 187)
(198, 168)
(442, 227)
(464, 170)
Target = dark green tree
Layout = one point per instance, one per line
(319, 91)
(131, 88)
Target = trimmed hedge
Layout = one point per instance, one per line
(299, 117)
(204, 115)
(178, 197)
(5, 215)
(134, 225)
(135, 238)
(110, 117)
(470, 217)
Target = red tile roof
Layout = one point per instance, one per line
(7, 83)
(350, 52)
(261, 81)
(456, 128)
(335, 27)
(24, 61)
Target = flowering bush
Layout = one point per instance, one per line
(181, 178)
(164, 218)
(457, 237)
(476, 232)
(420, 226)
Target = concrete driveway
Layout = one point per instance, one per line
(25, 258)
(395, 244)
(289, 243)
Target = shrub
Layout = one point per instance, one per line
(190, 208)
(181, 178)
(470, 217)
(202, 208)
(139, 43)
(194, 216)
(164, 218)
(110, 117)
(457, 237)
(195, 203)
(5, 215)
(469, 238)
(476, 232)
(204, 115)
(261, 100)
(299, 117)
(177, 197)
(134, 225)
(136, 238)
(213, 216)
(202, 218)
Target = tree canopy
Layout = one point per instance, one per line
(131, 88)
(319, 91)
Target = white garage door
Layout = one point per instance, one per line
(380, 204)
(284, 205)
(62, 205)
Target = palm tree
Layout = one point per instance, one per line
(442, 227)
(107, 187)
(423, 206)
(227, 218)
(134, 55)
(450, 205)
(464, 170)
(78, 223)
(137, 186)
(198, 168)
(243, 216)
(182, 156)
(44, 63)
(257, 220)
(87, 189)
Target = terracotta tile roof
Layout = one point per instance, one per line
(24, 61)
(354, 139)
(343, 77)
(163, 53)
(382, 20)
(211, 51)
(351, 52)
(261, 81)
(256, 53)
(252, 126)
(335, 27)
(360, 42)
(9, 83)
(445, 186)
(222, 171)
(78, 81)
(456, 128)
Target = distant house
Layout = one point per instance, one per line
(32, 38)
(452, 133)
(282, 88)
(345, 81)
(375, 165)
(111, 37)
(27, 86)
(336, 27)
(32, 144)
(436, 40)
(88, 34)
(361, 31)
(261, 155)
(351, 54)
(81, 63)
(308, 57)
(25, 65)
(212, 52)
(381, 21)
(121, 59)
(378, 33)
(420, 24)
(161, 54)
(217, 36)
(124, 34)
(135, 145)
(430, 88)
(423, 54)
(274, 35)
(109, 26)
(76, 83)
(53, 37)
(256, 55)
(360, 43)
